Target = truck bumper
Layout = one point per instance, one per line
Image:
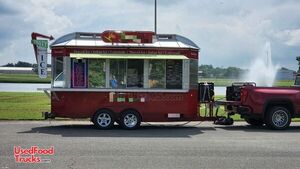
(244, 110)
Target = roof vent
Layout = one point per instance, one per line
(87, 36)
(165, 37)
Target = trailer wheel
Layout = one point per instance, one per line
(130, 119)
(278, 118)
(103, 119)
(254, 122)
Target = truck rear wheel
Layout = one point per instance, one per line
(130, 119)
(103, 119)
(278, 118)
(254, 122)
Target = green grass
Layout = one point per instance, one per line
(219, 81)
(221, 111)
(228, 82)
(284, 83)
(23, 106)
(28, 106)
(23, 78)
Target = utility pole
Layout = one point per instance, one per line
(155, 16)
(298, 59)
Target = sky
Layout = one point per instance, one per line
(229, 32)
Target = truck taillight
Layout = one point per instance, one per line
(244, 95)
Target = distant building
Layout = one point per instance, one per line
(200, 73)
(18, 70)
(285, 74)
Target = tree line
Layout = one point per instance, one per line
(205, 71)
(22, 64)
(208, 71)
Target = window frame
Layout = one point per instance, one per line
(146, 74)
(56, 75)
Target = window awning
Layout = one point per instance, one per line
(125, 56)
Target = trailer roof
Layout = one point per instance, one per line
(95, 40)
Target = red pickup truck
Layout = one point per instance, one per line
(273, 106)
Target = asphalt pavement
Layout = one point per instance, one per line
(77, 144)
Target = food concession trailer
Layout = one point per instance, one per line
(126, 77)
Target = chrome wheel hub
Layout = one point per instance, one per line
(130, 120)
(104, 119)
(280, 118)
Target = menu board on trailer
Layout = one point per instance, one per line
(174, 74)
(79, 73)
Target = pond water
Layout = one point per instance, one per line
(32, 87)
(22, 87)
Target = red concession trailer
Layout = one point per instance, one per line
(126, 77)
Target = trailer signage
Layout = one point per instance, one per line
(41, 47)
(42, 62)
(42, 44)
(127, 36)
(135, 51)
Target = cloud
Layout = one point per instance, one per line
(233, 33)
(230, 33)
(26, 17)
(45, 19)
(6, 10)
(294, 38)
(290, 37)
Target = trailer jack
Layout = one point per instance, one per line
(48, 115)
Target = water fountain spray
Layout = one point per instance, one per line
(262, 71)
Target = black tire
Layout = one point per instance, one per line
(278, 118)
(118, 121)
(104, 119)
(254, 122)
(130, 119)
